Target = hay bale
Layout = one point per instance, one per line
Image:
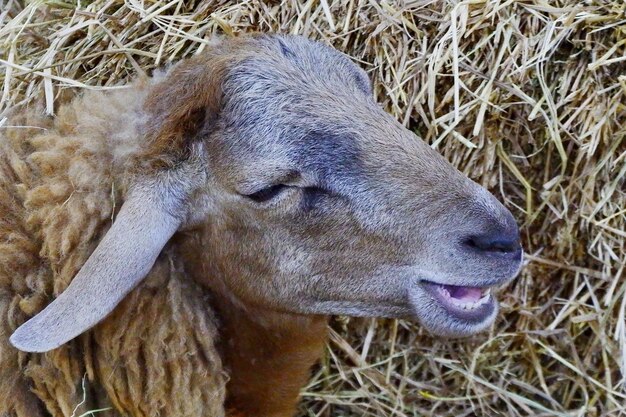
(527, 98)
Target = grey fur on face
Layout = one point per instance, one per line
(388, 212)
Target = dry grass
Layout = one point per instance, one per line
(526, 97)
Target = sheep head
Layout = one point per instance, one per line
(314, 200)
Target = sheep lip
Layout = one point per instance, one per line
(472, 304)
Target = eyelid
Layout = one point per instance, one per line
(310, 194)
(266, 194)
(290, 178)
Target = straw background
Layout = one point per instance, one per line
(526, 97)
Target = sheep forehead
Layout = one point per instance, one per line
(300, 59)
(300, 101)
(294, 79)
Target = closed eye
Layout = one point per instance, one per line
(267, 194)
(310, 195)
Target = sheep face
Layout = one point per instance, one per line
(312, 200)
(320, 202)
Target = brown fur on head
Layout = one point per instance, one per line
(297, 195)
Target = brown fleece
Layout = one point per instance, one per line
(61, 183)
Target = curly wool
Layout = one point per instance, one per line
(61, 181)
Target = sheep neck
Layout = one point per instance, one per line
(268, 354)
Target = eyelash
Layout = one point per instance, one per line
(267, 194)
(310, 195)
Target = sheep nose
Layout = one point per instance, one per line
(504, 241)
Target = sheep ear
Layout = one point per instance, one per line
(188, 100)
(122, 259)
(179, 107)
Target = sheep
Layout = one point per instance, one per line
(191, 235)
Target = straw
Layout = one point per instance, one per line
(527, 98)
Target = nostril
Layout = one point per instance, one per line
(494, 243)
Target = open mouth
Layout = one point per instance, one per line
(472, 304)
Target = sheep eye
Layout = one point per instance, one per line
(310, 195)
(267, 194)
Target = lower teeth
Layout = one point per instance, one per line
(466, 305)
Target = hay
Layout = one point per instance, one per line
(526, 97)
